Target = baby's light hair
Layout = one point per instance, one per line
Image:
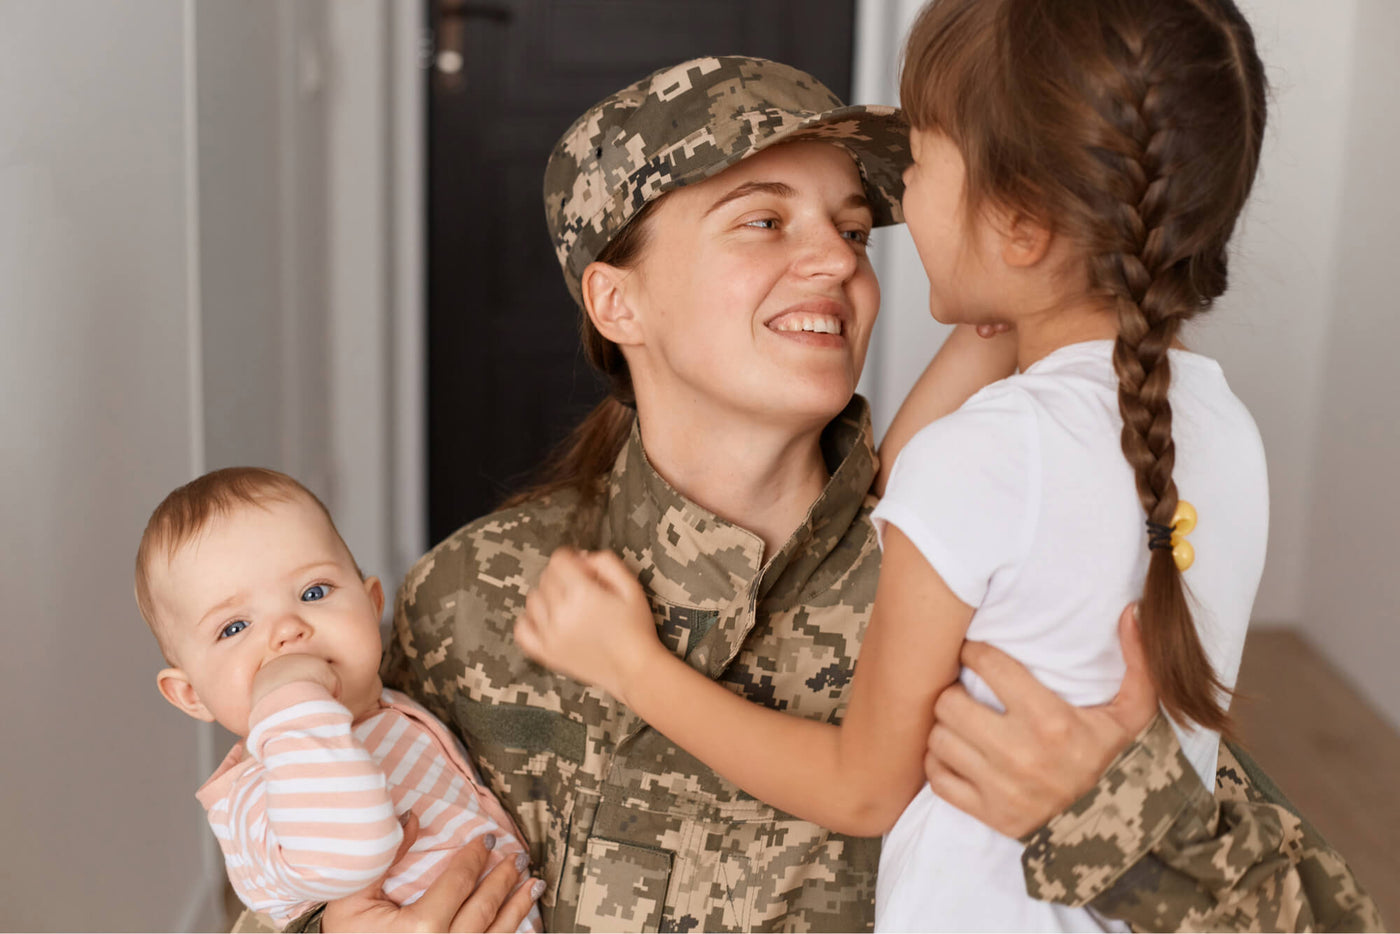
(189, 509)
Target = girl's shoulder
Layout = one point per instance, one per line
(995, 430)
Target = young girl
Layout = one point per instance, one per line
(1078, 169)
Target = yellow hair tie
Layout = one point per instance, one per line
(1183, 521)
(1174, 535)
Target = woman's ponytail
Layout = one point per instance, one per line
(586, 457)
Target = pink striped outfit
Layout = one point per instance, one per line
(306, 808)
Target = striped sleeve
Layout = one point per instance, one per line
(311, 820)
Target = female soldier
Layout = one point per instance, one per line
(731, 468)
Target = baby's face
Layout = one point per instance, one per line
(259, 583)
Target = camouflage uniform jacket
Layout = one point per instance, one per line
(630, 832)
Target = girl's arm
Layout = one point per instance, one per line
(589, 619)
(964, 364)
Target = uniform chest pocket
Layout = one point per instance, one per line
(624, 886)
(681, 628)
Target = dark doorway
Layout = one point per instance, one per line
(506, 378)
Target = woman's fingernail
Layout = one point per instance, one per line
(521, 861)
(489, 841)
(537, 889)
(403, 818)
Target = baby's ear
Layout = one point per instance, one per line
(376, 594)
(175, 687)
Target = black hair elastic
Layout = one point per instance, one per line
(1158, 536)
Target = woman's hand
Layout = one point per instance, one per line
(1015, 770)
(589, 619)
(454, 902)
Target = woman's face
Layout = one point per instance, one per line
(754, 295)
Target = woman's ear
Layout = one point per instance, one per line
(175, 687)
(609, 303)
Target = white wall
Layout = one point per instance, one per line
(1352, 589)
(262, 220)
(195, 271)
(99, 399)
(1269, 330)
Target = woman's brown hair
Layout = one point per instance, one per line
(587, 455)
(1133, 128)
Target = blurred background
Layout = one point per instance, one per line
(307, 234)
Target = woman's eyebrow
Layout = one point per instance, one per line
(780, 189)
(859, 200)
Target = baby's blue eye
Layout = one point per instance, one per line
(315, 592)
(233, 628)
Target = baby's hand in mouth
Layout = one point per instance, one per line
(284, 669)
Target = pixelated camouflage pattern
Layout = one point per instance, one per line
(690, 121)
(1153, 848)
(630, 832)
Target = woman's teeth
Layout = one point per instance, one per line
(818, 324)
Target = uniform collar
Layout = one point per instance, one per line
(688, 556)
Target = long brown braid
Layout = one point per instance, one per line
(1133, 128)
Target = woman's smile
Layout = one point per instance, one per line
(814, 323)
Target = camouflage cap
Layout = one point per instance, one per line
(693, 120)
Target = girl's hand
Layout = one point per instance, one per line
(454, 902)
(589, 619)
(1014, 771)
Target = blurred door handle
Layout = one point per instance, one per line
(452, 18)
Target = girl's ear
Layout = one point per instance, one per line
(609, 303)
(175, 687)
(1024, 240)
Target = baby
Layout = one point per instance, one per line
(273, 632)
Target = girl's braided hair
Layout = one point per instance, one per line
(1133, 128)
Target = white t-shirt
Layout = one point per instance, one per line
(1024, 504)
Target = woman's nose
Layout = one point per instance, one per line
(827, 252)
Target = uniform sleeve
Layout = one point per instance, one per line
(966, 491)
(316, 821)
(1150, 846)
